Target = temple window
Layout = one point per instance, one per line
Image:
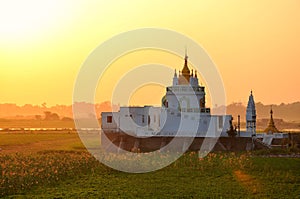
(109, 119)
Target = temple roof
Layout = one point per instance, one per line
(251, 103)
(271, 127)
(185, 66)
(186, 71)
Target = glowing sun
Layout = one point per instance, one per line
(28, 18)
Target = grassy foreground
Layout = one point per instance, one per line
(73, 172)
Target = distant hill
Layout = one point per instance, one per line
(28, 111)
(286, 112)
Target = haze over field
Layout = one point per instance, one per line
(255, 45)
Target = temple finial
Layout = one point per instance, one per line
(271, 111)
(185, 57)
(185, 72)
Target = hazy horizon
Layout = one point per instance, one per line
(45, 104)
(287, 112)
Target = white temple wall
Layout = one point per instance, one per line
(110, 120)
(133, 119)
(186, 101)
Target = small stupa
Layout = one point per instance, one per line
(271, 127)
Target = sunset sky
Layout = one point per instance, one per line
(254, 44)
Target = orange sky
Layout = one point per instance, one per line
(255, 45)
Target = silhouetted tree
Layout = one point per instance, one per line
(51, 116)
(54, 116)
(38, 117)
(66, 119)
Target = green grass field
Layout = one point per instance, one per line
(56, 165)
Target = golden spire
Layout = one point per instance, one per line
(186, 71)
(271, 127)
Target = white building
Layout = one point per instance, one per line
(183, 113)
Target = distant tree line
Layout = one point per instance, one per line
(49, 116)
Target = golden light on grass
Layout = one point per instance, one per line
(248, 182)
